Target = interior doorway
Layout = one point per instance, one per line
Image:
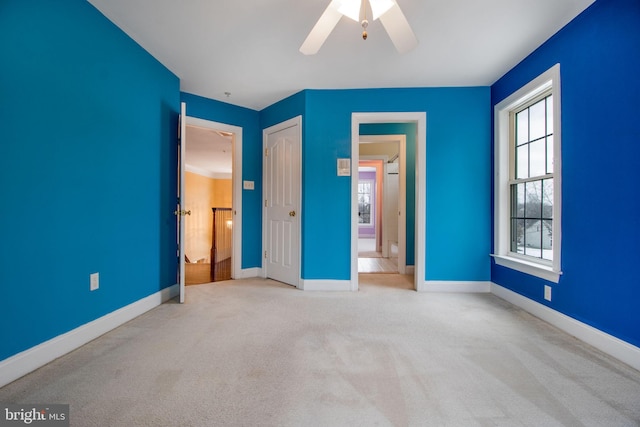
(212, 229)
(418, 213)
(378, 203)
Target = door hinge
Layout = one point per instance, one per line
(266, 205)
(265, 254)
(266, 152)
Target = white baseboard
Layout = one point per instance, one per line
(454, 286)
(325, 285)
(609, 344)
(248, 273)
(31, 359)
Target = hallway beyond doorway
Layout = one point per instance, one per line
(370, 261)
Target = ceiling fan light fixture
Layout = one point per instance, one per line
(388, 11)
(380, 7)
(350, 9)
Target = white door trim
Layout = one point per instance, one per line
(236, 183)
(181, 200)
(420, 118)
(296, 121)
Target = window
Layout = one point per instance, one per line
(365, 191)
(527, 165)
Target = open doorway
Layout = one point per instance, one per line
(416, 162)
(211, 199)
(379, 218)
(208, 194)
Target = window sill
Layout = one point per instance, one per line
(531, 268)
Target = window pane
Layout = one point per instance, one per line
(522, 127)
(522, 162)
(532, 235)
(364, 202)
(538, 158)
(547, 198)
(537, 120)
(533, 199)
(547, 239)
(517, 236)
(518, 199)
(550, 154)
(550, 115)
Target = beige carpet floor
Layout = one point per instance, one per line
(259, 353)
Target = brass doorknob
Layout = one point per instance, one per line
(292, 213)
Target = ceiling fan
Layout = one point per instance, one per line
(388, 11)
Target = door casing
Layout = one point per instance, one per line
(420, 119)
(236, 176)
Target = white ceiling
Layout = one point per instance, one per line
(250, 47)
(208, 153)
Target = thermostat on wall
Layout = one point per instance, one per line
(344, 167)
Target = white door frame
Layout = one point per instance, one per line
(401, 140)
(236, 181)
(420, 119)
(296, 121)
(180, 212)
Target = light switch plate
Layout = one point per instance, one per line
(248, 185)
(344, 167)
(94, 281)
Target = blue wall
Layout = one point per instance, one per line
(288, 108)
(409, 130)
(458, 178)
(599, 61)
(249, 121)
(88, 123)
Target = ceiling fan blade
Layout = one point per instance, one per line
(322, 29)
(399, 29)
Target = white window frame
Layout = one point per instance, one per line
(503, 255)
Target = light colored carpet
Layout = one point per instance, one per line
(259, 353)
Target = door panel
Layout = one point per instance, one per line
(282, 193)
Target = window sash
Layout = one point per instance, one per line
(524, 241)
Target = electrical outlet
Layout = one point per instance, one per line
(94, 281)
(547, 292)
